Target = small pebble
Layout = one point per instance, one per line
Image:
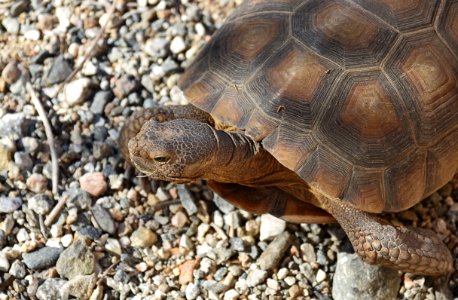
(43, 258)
(11, 72)
(179, 219)
(101, 98)
(143, 237)
(9, 205)
(273, 284)
(186, 200)
(94, 183)
(113, 246)
(271, 227)
(294, 291)
(192, 291)
(50, 289)
(320, 276)
(81, 286)
(231, 295)
(103, 219)
(124, 86)
(59, 71)
(77, 91)
(185, 242)
(177, 45)
(76, 260)
(41, 204)
(223, 205)
(4, 263)
(271, 257)
(18, 269)
(66, 240)
(11, 25)
(37, 183)
(186, 271)
(355, 279)
(256, 277)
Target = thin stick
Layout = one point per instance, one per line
(89, 51)
(49, 135)
(56, 210)
(164, 204)
(42, 226)
(105, 273)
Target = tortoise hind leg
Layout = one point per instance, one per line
(408, 249)
(271, 201)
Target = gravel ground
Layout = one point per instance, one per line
(119, 236)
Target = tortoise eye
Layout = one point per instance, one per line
(161, 158)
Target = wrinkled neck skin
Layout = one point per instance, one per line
(238, 159)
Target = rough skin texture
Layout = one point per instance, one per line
(182, 150)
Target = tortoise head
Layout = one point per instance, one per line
(180, 150)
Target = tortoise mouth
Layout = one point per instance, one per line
(142, 164)
(151, 170)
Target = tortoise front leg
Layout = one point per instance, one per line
(159, 114)
(271, 201)
(408, 249)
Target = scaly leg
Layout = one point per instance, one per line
(409, 249)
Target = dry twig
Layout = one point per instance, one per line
(105, 273)
(49, 135)
(56, 210)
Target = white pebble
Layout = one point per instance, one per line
(231, 295)
(185, 242)
(200, 29)
(56, 231)
(22, 235)
(282, 273)
(77, 91)
(66, 240)
(271, 227)
(177, 45)
(32, 34)
(63, 14)
(273, 284)
(113, 246)
(4, 263)
(320, 276)
(53, 242)
(290, 280)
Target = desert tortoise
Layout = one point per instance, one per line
(317, 111)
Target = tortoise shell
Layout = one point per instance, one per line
(360, 98)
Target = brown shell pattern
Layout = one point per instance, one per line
(360, 98)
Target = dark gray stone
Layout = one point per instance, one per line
(9, 204)
(222, 204)
(90, 232)
(59, 71)
(104, 219)
(101, 98)
(23, 161)
(355, 279)
(186, 199)
(41, 259)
